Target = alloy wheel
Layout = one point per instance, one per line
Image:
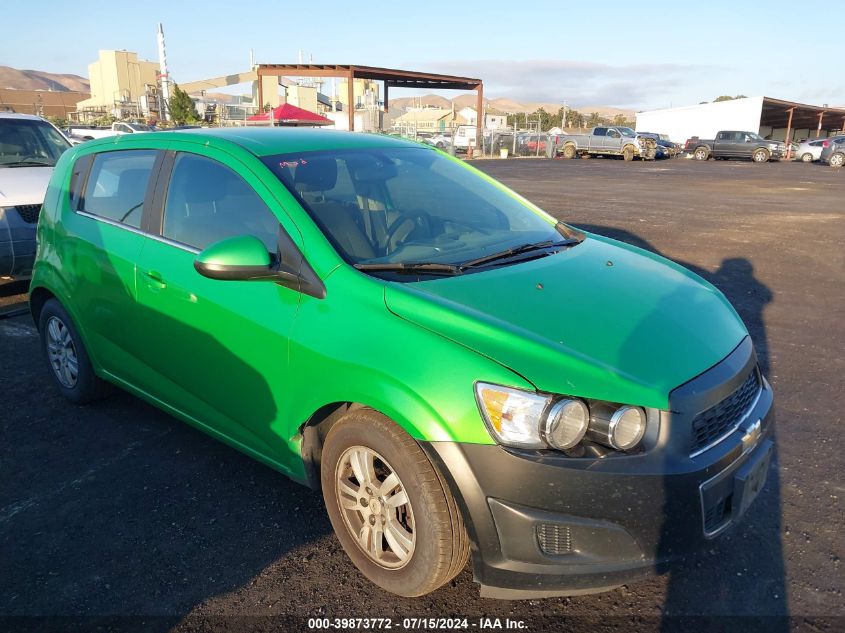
(837, 160)
(375, 507)
(62, 353)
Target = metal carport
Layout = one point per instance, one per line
(392, 79)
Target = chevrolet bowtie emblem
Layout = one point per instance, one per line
(752, 436)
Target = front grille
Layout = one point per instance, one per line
(717, 514)
(29, 212)
(554, 539)
(710, 425)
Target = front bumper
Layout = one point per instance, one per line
(543, 524)
(17, 244)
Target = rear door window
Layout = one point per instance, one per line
(117, 186)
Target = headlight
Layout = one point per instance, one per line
(525, 419)
(512, 415)
(566, 424)
(620, 428)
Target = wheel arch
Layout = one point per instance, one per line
(316, 428)
(38, 296)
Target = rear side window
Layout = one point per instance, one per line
(600, 131)
(208, 202)
(117, 185)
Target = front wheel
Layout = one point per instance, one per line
(807, 158)
(761, 156)
(628, 153)
(837, 160)
(392, 511)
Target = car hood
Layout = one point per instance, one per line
(600, 320)
(23, 185)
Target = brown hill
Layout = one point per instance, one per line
(39, 80)
(505, 105)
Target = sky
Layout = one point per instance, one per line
(639, 55)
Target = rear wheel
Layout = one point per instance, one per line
(67, 357)
(700, 153)
(628, 153)
(837, 160)
(569, 151)
(760, 155)
(391, 510)
(807, 158)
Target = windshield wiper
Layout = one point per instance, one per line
(432, 268)
(517, 250)
(28, 163)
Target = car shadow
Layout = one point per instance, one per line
(741, 573)
(118, 508)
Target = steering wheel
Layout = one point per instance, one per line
(403, 226)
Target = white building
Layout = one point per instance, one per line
(493, 119)
(771, 118)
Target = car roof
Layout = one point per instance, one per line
(16, 115)
(266, 141)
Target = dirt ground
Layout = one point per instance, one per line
(120, 512)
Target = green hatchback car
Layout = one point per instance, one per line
(461, 374)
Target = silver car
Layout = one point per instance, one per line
(29, 147)
(809, 150)
(828, 147)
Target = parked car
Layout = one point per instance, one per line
(834, 153)
(665, 147)
(829, 147)
(464, 137)
(531, 144)
(738, 144)
(459, 372)
(809, 150)
(608, 141)
(29, 148)
(90, 132)
(440, 141)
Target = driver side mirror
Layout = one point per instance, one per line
(245, 258)
(241, 258)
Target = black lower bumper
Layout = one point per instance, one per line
(17, 244)
(546, 525)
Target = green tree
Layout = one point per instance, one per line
(182, 108)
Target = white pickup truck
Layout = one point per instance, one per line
(89, 133)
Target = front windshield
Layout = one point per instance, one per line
(408, 205)
(626, 131)
(140, 127)
(29, 142)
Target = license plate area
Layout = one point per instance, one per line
(727, 496)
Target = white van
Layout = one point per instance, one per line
(29, 148)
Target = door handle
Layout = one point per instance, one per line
(154, 279)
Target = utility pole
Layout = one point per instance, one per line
(162, 62)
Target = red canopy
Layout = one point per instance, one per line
(287, 114)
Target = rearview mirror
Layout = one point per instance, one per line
(240, 258)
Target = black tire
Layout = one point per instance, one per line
(760, 155)
(836, 160)
(570, 151)
(441, 544)
(701, 153)
(807, 158)
(87, 387)
(627, 153)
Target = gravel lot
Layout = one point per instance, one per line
(120, 510)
